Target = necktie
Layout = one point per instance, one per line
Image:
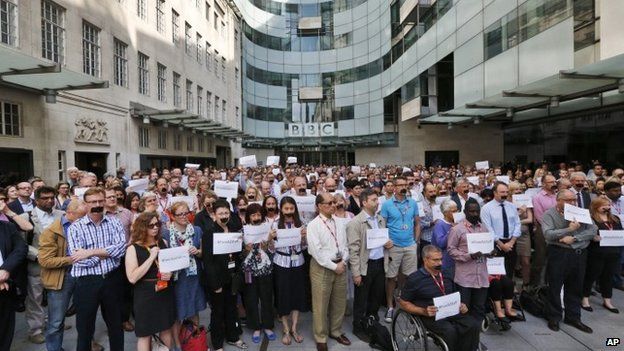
(505, 224)
(579, 201)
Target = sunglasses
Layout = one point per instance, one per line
(154, 225)
(181, 214)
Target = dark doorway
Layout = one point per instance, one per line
(16, 166)
(441, 158)
(92, 161)
(223, 156)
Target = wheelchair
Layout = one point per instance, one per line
(409, 334)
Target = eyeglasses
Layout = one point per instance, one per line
(181, 214)
(23, 188)
(46, 198)
(328, 203)
(95, 202)
(154, 225)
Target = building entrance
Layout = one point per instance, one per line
(92, 161)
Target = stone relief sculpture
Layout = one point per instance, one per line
(89, 130)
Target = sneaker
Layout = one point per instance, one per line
(389, 315)
(37, 339)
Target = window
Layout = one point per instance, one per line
(200, 49)
(208, 104)
(142, 9)
(10, 119)
(61, 162)
(223, 69)
(143, 137)
(216, 108)
(162, 139)
(207, 11)
(216, 64)
(236, 114)
(189, 95)
(120, 63)
(223, 32)
(235, 39)
(223, 112)
(175, 26)
(177, 97)
(143, 74)
(236, 77)
(216, 22)
(208, 56)
(162, 83)
(200, 144)
(52, 31)
(190, 143)
(8, 22)
(90, 49)
(200, 100)
(160, 16)
(177, 142)
(187, 38)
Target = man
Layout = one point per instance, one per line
(56, 272)
(388, 192)
(401, 216)
(42, 216)
(327, 244)
(192, 189)
(367, 265)
(613, 191)
(72, 176)
(579, 188)
(567, 242)
(13, 251)
(596, 172)
(426, 222)
(162, 189)
(97, 243)
(542, 202)
(460, 195)
(459, 332)
(500, 217)
(266, 188)
(330, 185)
(174, 184)
(112, 208)
(24, 203)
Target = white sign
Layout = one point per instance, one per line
(291, 160)
(522, 200)
(436, 211)
(288, 237)
(458, 217)
(496, 266)
(421, 209)
(480, 242)
(503, 179)
(310, 129)
(272, 160)
(372, 165)
(574, 213)
(225, 243)
(406, 170)
(173, 259)
(305, 203)
(192, 165)
(441, 199)
(223, 175)
(448, 305)
(254, 234)
(190, 201)
(376, 238)
(248, 161)
(612, 238)
(226, 189)
(473, 180)
(137, 185)
(482, 165)
(356, 169)
(275, 171)
(79, 192)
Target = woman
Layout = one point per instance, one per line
(523, 244)
(189, 294)
(354, 205)
(241, 208)
(11, 193)
(441, 231)
(598, 188)
(270, 206)
(62, 190)
(203, 185)
(151, 288)
(602, 261)
(252, 194)
(501, 291)
(132, 202)
(341, 211)
(258, 272)
(289, 274)
(223, 275)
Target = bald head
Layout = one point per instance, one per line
(76, 209)
(330, 185)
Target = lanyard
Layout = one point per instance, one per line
(440, 284)
(333, 234)
(608, 225)
(164, 208)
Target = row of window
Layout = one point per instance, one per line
(300, 112)
(281, 8)
(324, 40)
(203, 143)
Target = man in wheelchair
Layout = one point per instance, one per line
(459, 332)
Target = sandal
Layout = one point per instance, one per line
(286, 338)
(269, 334)
(256, 338)
(298, 338)
(240, 344)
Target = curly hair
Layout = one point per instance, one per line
(140, 227)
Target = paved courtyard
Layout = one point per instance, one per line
(530, 335)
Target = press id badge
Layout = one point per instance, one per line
(294, 256)
(231, 265)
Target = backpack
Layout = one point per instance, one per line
(379, 335)
(535, 301)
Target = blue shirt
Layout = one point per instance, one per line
(492, 218)
(439, 238)
(400, 217)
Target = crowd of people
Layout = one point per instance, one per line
(90, 243)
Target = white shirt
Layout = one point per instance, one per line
(321, 242)
(44, 218)
(377, 252)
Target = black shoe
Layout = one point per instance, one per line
(587, 308)
(579, 325)
(612, 310)
(553, 325)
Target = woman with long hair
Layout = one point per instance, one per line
(153, 301)
(289, 273)
(270, 207)
(62, 190)
(602, 261)
(132, 202)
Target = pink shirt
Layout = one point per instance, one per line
(469, 273)
(542, 202)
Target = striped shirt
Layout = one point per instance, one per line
(108, 235)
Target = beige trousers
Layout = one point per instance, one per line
(329, 299)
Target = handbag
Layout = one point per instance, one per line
(193, 337)
(158, 344)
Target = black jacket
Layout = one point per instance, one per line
(13, 249)
(16, 206)
(216, 266)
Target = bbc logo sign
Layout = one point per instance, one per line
(310, 129)
(613, 342)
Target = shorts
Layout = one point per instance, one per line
(405, 258)
(523, 245)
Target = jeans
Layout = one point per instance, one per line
(58, 302)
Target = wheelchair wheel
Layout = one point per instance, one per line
(408, 332)
(485, 324)
(438, 341)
